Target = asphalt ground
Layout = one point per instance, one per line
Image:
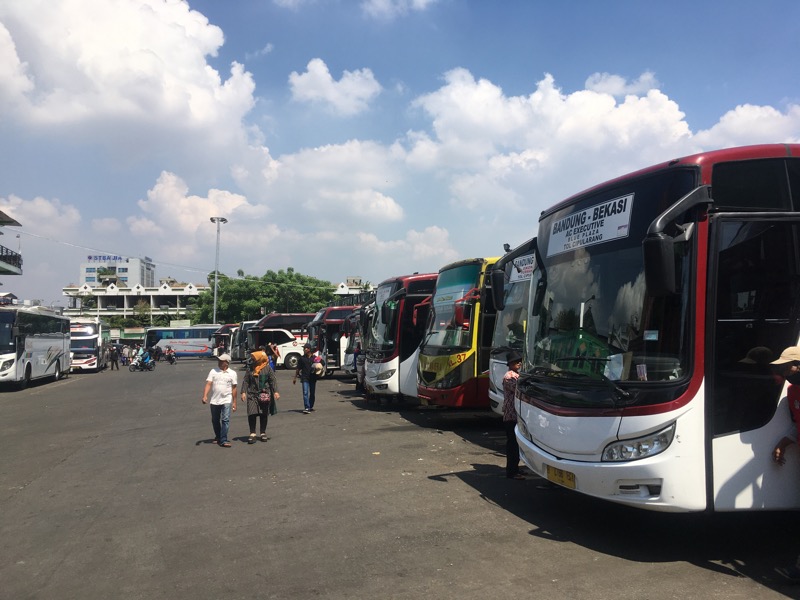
(111, 488)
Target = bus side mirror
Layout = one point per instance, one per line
(659, 264)
(384, 313)
(15, 331)
(498, 279)
(538, 298)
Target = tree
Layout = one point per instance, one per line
(244, 298)
(142, 313)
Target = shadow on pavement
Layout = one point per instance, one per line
(737, 544)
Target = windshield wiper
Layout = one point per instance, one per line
(619, 394)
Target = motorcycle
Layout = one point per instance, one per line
(138, 365)
(170, 357)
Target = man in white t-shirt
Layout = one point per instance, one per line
(221, 383)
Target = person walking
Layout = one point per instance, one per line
(113, 356)
(221, 385)
(308, 379)
(514, 362)
(259, 391)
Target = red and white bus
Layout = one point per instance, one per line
(326, 335)
(392, 352)
(454, 354)
(658, 302)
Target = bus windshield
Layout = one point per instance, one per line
(591, 314)
(6, 332)
(78, 344)
(384, 319)
(509, 330)
(450, 325)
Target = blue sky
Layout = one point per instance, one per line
(370, 138)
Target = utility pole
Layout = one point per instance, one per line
(218, 221)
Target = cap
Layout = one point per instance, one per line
(791, 354)
(760, 355)
(225, 357)
(306, 346)
(513, 357)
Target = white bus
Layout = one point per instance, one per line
(511, 301)
(289, 345)
(34, 343)
(90, 343)
(190, 341)
(658, 302)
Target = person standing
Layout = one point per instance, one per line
(113, 356)
(514, 362)
(221, 385)
(788, 367)
(305, 370)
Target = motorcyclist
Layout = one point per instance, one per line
(146, 356)
(170, 354)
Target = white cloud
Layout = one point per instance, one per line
(390, 9)
(42, 216)
(124, 60)
(748, 124)
(430, 246)
(348, 96)
(259, 53)
(616, 85)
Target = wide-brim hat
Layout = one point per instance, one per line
(791, 354)
(225, 357)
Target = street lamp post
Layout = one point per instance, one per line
(218, 221)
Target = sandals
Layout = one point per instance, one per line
(263, 437)
(226, 444)
(251, 439)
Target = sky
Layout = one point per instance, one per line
(367, 138)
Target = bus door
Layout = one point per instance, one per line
(753, 306)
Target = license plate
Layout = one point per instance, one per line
(561, 477)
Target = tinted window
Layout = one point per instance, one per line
(755, 184)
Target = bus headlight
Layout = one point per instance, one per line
(638, 448)
(7, 364)
(383, 375)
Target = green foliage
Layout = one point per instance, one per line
(242, 299)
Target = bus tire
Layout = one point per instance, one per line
(57, 374)
(26, 379)
(291, 361)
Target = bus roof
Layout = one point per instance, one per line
(41, 310)
(470, 261)
(704, 160)
(266, 318)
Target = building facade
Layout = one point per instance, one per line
(103, 269)
(171, 299)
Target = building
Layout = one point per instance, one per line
(124, 272)
(171, 299)
(10, 261)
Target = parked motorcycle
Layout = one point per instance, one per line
(138, 365)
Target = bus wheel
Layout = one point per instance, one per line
(57, 374)
(26, 380)
(291, 361)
